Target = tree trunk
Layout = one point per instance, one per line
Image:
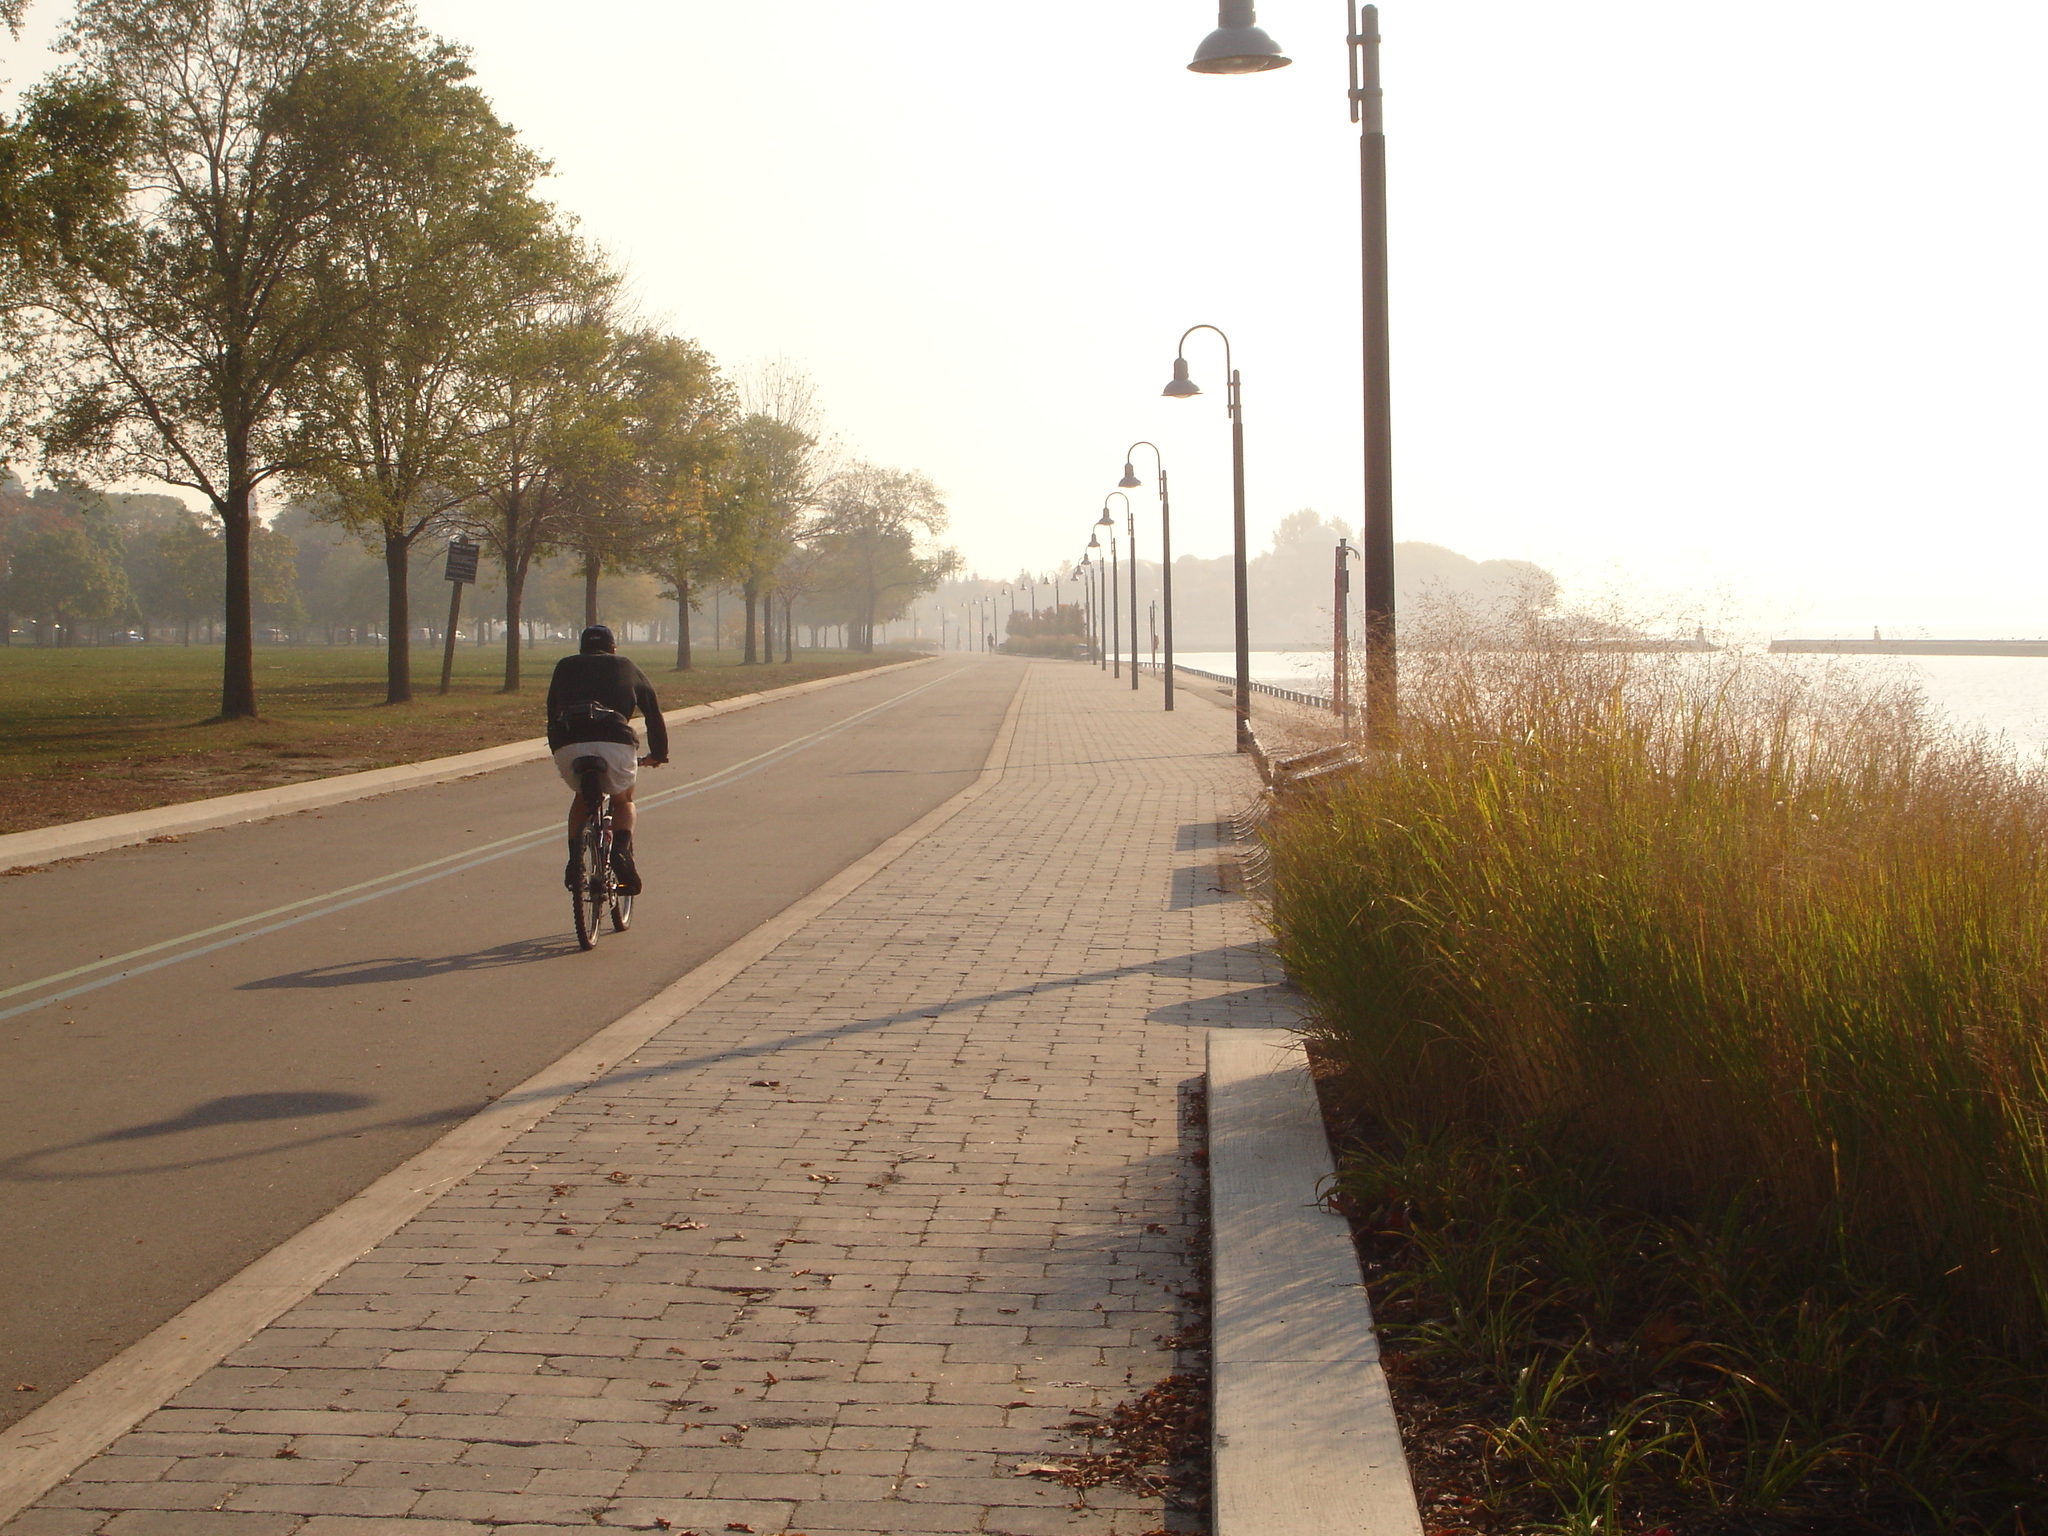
(682, 586)
(238, 651)
(750, 593)
(397, 619)
(514, 593)
(590, 566)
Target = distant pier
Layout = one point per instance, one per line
(1913, 647)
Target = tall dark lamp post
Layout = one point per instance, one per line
(1182, 388)
(1238, 47)
(1130, 483)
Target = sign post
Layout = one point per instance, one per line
(461, 568)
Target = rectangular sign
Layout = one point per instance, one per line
(461, 561)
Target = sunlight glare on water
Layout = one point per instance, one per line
(2007, 695)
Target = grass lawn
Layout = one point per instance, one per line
(99, 730)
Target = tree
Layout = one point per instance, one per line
(264, 132)
(528, 396)
(434, 260)
(184, 577)
(873, 521)
(61, 574)
(683, 439)
(652, 427)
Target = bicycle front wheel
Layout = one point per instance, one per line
(593, 888)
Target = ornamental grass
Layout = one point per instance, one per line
(1758, 945)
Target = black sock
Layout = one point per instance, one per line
(622, 844)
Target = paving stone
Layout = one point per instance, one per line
(942, 1211)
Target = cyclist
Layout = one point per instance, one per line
(590, 699)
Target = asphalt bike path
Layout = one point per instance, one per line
(206, 1045)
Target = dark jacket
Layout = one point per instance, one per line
(612, 681)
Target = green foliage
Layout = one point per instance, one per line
(265, 136)
(60, 574)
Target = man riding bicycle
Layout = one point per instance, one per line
(591, 697)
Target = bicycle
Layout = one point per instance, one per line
(597, 892)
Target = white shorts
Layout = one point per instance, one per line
(621, 764)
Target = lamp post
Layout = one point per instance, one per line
(1115, 589)
(1095, 592)
(1237, 47)
(1340, 636)
(1085, 575)
(1182, 388)
(1130, 543)
(1130, 483)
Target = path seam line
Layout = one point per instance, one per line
(44, 1448)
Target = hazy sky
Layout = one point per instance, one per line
(1747, 305)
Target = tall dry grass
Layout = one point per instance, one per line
(1738, 928)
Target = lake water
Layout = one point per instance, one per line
(2006, 694)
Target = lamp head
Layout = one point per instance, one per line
(1182, 386)
(1093, 541)
(1103, 521)
(1237, 47)
(1130, 479)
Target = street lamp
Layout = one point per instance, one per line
(1237, 47)
(1182, 388)
(1130, 483)
(1115, 601)
(1130, 543)
(1084, 573)
(1095, 592)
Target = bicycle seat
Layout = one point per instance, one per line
(587, 765)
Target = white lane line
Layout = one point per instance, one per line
(50, 1443)
(329, 902)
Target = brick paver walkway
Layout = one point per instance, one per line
(838, 1252)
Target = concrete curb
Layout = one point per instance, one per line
(46, 1446)
(1305, 1440)
(76, 839)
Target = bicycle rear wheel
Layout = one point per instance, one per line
(622, 912)
(593, 887)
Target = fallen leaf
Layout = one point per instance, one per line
(618, 1177)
